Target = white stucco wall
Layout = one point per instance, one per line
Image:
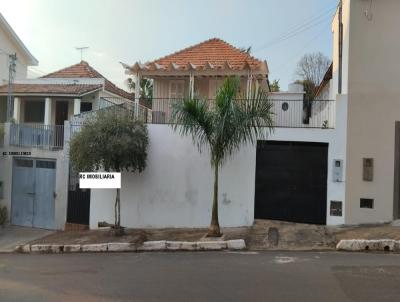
(374, 107)
(175, 190)
(8, 46)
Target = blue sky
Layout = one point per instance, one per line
(279, 31)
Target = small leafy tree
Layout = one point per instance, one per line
(274, 86)
(146, 89)
(311, 69)
(113, 141)
(223, 127)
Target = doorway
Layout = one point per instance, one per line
(291, 181)
(33, 192)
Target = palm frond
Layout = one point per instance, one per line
(231, 122)
(193, 117)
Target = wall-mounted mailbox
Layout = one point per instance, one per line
(336, 208)
(337, 170)
(368, 169)
(367, 203)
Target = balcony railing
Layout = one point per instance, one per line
(286, 113)
(37, 136)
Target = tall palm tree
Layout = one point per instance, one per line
(223, 127)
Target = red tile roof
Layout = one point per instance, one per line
(84, 70)
(327, 77)
(51, 89)
(215, 51)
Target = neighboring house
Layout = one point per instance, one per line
(58, 96)
(287, 177)
(364, 81)
(35, 176)
(199, 71)
(11, 44)
(324, 88)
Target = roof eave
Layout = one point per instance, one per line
(32, 61)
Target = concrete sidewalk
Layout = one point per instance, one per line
(11, 236)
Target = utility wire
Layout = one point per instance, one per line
(298, 29)
(300, 51)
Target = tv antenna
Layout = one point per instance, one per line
(81, 49)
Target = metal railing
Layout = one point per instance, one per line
(37, 136)
(286, 113)
(117, 105)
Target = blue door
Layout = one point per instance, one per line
(33, 193)
(23, 192)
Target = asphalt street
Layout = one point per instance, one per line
(201, 276)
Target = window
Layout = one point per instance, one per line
(86, 106)
(176, 89)
(367, 203)
(45, 164)
(34, 112)
(25, 163)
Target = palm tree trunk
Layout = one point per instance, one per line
(214, 230)
(118, 222)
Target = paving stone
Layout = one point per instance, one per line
(25, 248)
(365, 245)
(41, 248)
(211, 245)
(153, 246)
(181, 245)
(72, 248)
(237, 244)
(121, 247)
(101, 247)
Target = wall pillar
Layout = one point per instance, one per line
(77, 106)
(248, 85)
(17, 109)
(137, 94)
(47, 111)
(191, 85)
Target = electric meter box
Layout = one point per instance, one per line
(337, 170)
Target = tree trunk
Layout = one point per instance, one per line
(214, 230)
(117, 210)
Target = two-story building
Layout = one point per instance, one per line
(286, 177)
(364, 79)
(35, 170)
(11, 44)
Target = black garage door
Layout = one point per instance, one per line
(291, 181)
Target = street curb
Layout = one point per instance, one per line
(358, 245)
(147, 246)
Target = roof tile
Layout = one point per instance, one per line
(84, 70)
(50, 89)
(213, 51)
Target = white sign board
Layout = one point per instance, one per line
(99, 180)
